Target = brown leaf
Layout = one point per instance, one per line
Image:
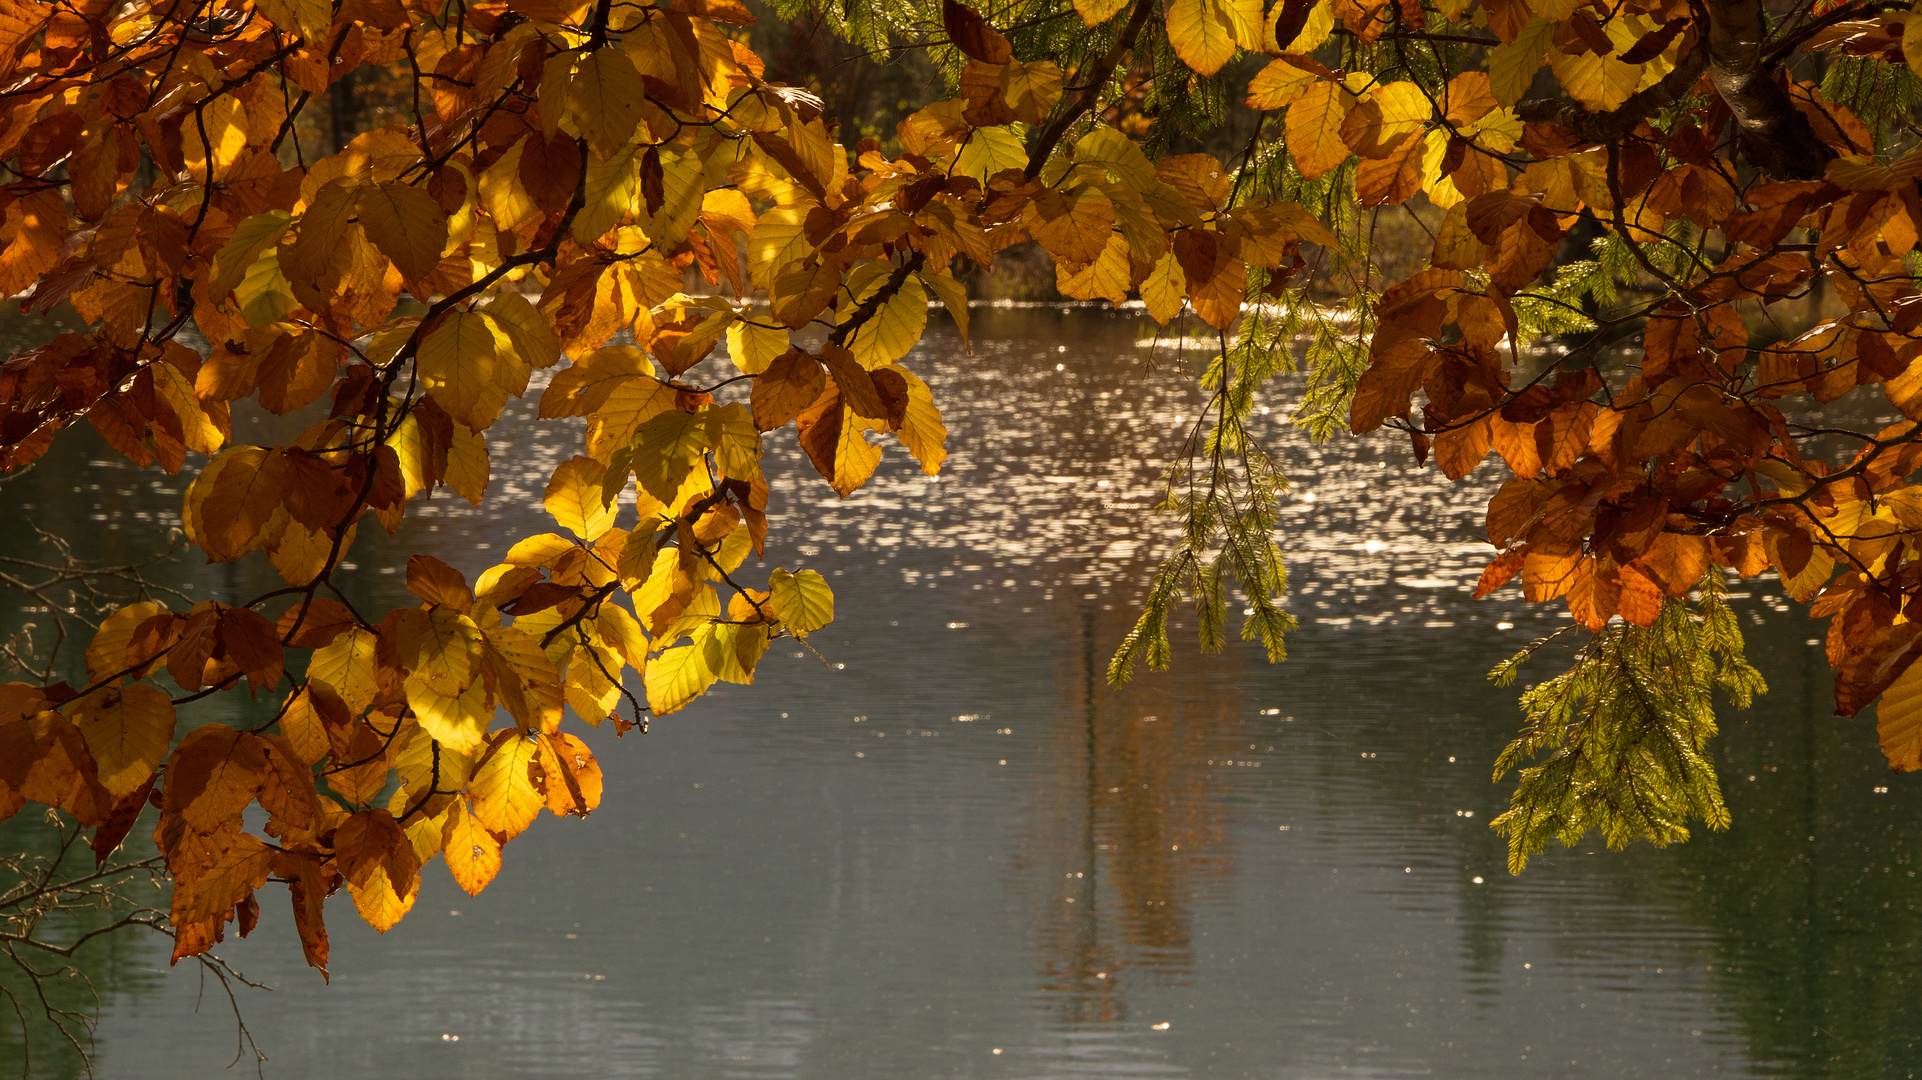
(970, 33)
(248, 640)
(120, 822)
(212, 776)
(1500, 571)
(855, 382)
(310, 624)
(792, 382)
(438, 583)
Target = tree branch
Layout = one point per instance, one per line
(1091, 86)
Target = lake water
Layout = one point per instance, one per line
(957, 853)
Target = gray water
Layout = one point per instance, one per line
(954, 852)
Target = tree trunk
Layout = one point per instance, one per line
(1775, 135)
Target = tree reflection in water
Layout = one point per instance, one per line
(1128, 831)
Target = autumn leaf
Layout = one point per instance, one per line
(405, 224)
(473, 855)
(1313, 124)
(575, 498)
(604, 101)
(802, 601)
(667, 448)
(1206, 33)
(128, 731)
(506, 798)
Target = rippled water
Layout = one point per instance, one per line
(955, 852)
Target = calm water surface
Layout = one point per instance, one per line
(957, 853)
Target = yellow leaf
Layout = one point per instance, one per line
(590, 684)
(1898, 721)
(1512, 66)
(1912, 41)
(528, 331)
(425, 832)
(527, 683)
(1320, 24)
(429, 767)
(1106, 277)
(776, 241)
(804, 290)
(753, 346)
(377, 900)
(1073, 226)
(1440, 189)
(922, 431)
(347, 665)
(1118, 154)
(574, 781)
(604, 101)
(1313, 126)
(803, 601)
(252, 238)
(618, 627)
(1096, 12)
(237, 871)
(198, 430)
(540, 550)
(1031, 89)
(457, 721)
(503, 194)
(264, 295)
(831, 434)
(989, 151)
(458, 362)
(1456, 245)
(582, 388)
(1278, 85)
(667, 447)
(676, 677)
(954, 296)
(737, 452)
(720, 652)
(896, 325)
(473, 855)
(505, 797)
(440, 646)
(467, 464)
(1205, 33)
(309, 19)
(224, 120)
(1602, 83)
(128, 730)
(612, 188)
(406, 224)
(1404, 109)
(1164, 289)
(683, 180)
(107, 653)
(575, 498)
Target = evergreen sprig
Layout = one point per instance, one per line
(1624, 729)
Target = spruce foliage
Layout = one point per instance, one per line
(1625, 729)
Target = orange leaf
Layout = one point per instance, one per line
(473, 855)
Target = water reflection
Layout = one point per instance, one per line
(963, 841)
(1127, 832)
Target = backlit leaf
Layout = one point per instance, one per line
(575, 499)
(802, 600)
(505, 796)
(406, 225)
